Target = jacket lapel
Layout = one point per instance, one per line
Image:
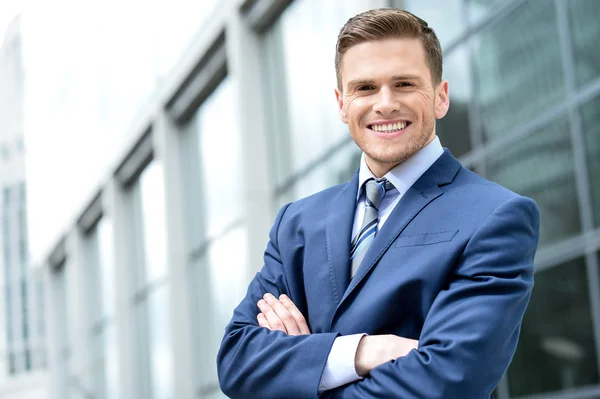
(425, 190)
(340, 219)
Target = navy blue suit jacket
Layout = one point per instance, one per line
(452, 267)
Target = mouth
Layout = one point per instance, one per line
(389, 127)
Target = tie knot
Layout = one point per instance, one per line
(376, 190)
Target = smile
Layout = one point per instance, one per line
(389, 127)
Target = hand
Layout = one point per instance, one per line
(282, 315)
(375, 350)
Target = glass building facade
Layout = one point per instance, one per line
(22, 346)
(143, 283)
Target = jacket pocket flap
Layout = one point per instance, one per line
(410, 240)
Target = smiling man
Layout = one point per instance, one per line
(409, 281)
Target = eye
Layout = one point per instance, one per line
(404, 84)
(364, 88)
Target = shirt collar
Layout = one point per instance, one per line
(404, 175)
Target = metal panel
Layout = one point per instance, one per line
(205, 77)
(262, 14)
(58, 256)
(138, 158)
(91, 215)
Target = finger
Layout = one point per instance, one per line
(296, 314)
(262, 321)
(284, 315)
(272, 318)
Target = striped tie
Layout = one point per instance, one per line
(375, 190)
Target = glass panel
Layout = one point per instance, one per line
(584, 16)
(518, 68)
(227, 275)
(300, 75)
(218, 282)
(445, 18)
(454, 129)
(556, 348)
(160, 344)
(336, 168)
(590, 115)
(540, 166)
(111, 362)
(106, 263)
(476, 9)
(152, 204)
(217, 156)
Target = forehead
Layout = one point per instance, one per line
(388, 57)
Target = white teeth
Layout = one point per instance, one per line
(389, 127)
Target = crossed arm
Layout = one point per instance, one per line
(374, 350)
(466, 344)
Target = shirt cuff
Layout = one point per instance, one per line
(340, 369)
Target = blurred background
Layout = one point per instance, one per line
(146, 146)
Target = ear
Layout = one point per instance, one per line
(442, 100)
(339, 96)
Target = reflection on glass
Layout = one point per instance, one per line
(339, 167)
(454, 129)
(556, 348)
(590, 115)
(161, 353)
(584, 16)
(227, 274)
(518, 68)
(219, 285)
(540, 166)
(477, 9)
(445, 18)
(152, 204)
(300, 74)
(218, 158)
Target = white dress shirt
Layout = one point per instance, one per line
(340, 369)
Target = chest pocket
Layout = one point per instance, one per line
(411, 240)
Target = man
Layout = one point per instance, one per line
(411, 280)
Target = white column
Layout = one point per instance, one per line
(244, 63)
(166, 142)
(116, 208)
(55, 330)
(77, 298)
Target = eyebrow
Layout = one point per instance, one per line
(395, 78)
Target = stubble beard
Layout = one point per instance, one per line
(395, 155)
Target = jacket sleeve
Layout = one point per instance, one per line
(254, 362)
(471, 331)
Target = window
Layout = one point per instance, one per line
(584, 16)
(151, 298)
(518, 69)
(454, 130)
(152, 204)
(212, 166)
(556, 349)
(337, 167)
(300, 77)
(590, 115)
(446, 18)
(104, 369)
(540, 166)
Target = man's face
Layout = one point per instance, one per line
(388, 100)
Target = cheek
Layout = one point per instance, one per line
(423, 103)
(355, 109)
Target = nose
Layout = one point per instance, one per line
(386, 102)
